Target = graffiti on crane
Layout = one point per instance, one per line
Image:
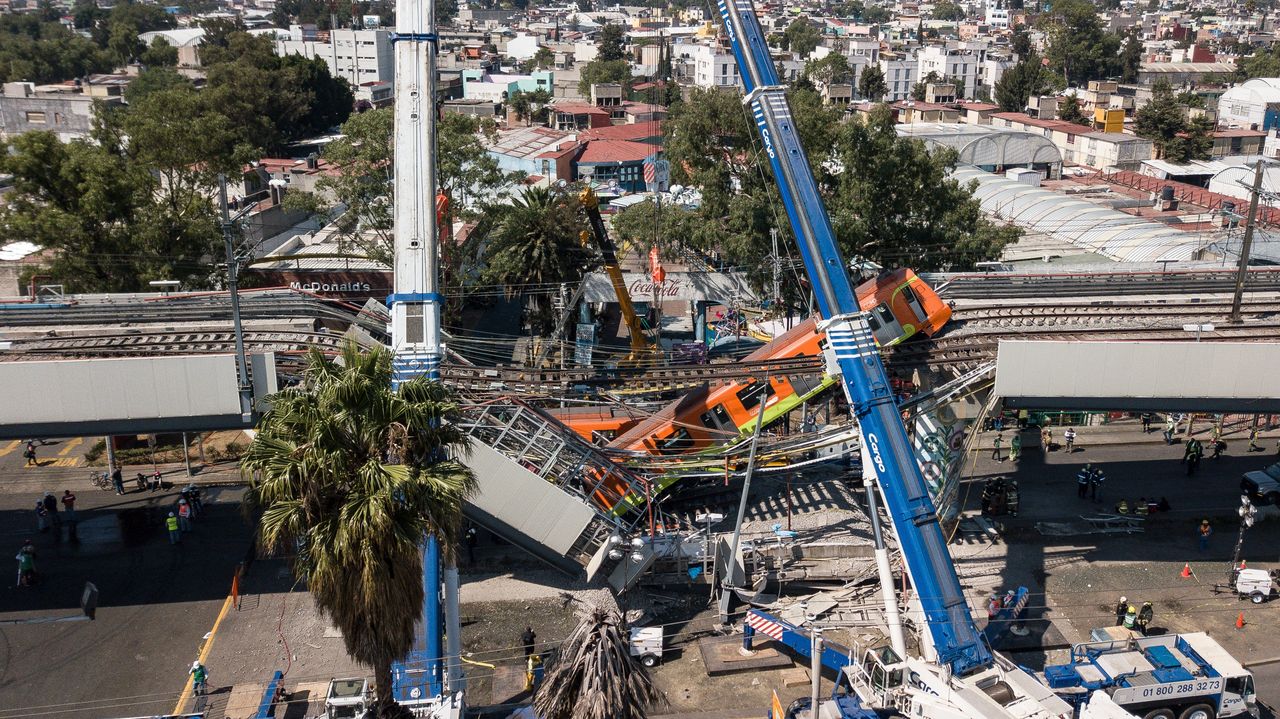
(939, 438)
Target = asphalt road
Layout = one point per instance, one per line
(1266, 678)
(156, 600)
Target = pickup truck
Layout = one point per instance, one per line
(1262, 486)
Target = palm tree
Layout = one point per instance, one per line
(593, 675)
(536, 246)
(349, 477)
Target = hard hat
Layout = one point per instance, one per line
(1124, 599)
(170, 514)
(182, 501)
(1204, 521)
(195, 664)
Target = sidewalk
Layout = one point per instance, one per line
(1129, 432)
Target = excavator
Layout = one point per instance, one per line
(643, 349)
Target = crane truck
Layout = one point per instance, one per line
(958, 675)
(642, 346)
(1172, 676)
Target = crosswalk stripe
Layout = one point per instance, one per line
(10, 447)
(71, 444)
(56, 462)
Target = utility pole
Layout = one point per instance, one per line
(1249, 222)
(233, 273)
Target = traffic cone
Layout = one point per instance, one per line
(1186, 570)
(1240, 621)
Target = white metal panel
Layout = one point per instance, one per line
(69, 391)
(1219, 370)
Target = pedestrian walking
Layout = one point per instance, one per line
(1219, 447)
(184, 515)
(1122, 507)
(26, 564)
(1069, 437)
(1082, 481)
(1169, 426)
(1121, 607)
(30, 454)
(171, 523)
(1146, 422)
(528, 639)
(51, 506)
(1253, 440)
(1046, 438)
(42, 517)
(1193, 454)
(199, 678)
(1216, 434)
(1145, 616)
(69, 505)
(1205, 532)
(155, 481)
(995, 447)
(117, 478)
(1015, 447)
(1096, 478)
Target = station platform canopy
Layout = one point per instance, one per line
(993, 149)
(1184, 376)
(1089, 226)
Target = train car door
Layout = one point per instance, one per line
(917, 309)
(884, 325)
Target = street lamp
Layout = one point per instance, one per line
(618, 546)
(1247, 513)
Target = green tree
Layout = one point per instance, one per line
(535, 246)
(871, 84)
(1262, 63)
(358, 197)
(876, 15)
(1131, 56)
(612, 45)
(1165, 122)
(833, 69)
(599, 72)
(920, 90)
(159, 54)
(646, 224)
(1069, 111)
(1020, 42)
(593, 675)
(1079, 48)
(801, 36)
(348, 478)
(896, 205)
(273, 100)
(1019, 83)
(154, 79)
(530, 105)
(40, 51)
(948, 11)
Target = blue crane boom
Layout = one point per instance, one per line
(956, 639)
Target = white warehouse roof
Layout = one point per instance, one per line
(1091, 227)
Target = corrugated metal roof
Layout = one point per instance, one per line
(1083, 224)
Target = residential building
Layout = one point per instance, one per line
(375, 94)
(953, 63)
(1252, 104)
(571, 116)
(713, 67)
(535, 152)
(62, 109)
(862, 53)
(1238, 141)
(481, 85)
(997, 15)
(899, 74)
(605, 162)
(359, 56)
(1082, 145)
(1181, 73)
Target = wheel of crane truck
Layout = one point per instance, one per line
(1197, 711)
(1158, 714)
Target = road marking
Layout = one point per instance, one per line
(10, 447)
(71, 444)
(204, 654)
(56, 462)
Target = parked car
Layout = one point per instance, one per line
(1262, 486)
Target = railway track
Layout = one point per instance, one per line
(1100, 284)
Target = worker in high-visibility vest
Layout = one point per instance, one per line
(533, 672)
(171, 523)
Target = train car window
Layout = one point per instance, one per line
(716, 418)
(752, 394)
(914, 303)
(681, 441)
(885, 314)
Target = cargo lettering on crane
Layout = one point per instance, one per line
(873, 446)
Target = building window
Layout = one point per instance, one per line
(35, 118)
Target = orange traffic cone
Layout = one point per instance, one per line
(1186, 570)
(1240, 621)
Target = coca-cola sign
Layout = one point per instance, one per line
(669, 289)
(676, 286)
